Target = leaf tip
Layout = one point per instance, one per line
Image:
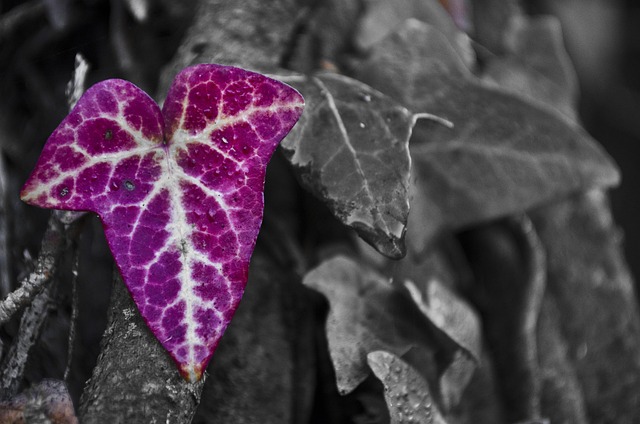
(191, 372)
(384, 242)
(614, 176)
(27, 194)
(395, 248)
(24, 194)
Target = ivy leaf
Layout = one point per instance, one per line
(179, 191)
(367, 313)
(449, 314)
(503, 154)
(406, 392)
(351, 149)
(536, 65)
(385, 16)
(453, 317)
(461, 13)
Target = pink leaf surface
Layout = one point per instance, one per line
(179, 191)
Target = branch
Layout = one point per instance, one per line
(33, 319)
(31, 325)
(52, 247)
(246, 33)
(76, 85)
(525, 339)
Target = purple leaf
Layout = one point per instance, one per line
(179, 191)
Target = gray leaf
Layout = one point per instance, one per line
(350, 148)
(406, 392)
(503, 155)
(367, 313)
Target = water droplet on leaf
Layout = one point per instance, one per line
(108, 135)
(365, 97)
(114, 185)
(64, 191)
(129, 185)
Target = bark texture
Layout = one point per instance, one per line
(51, 250)
(31, 325)
(252, 34)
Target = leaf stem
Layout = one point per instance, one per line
(527, 319)
(432, 117)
